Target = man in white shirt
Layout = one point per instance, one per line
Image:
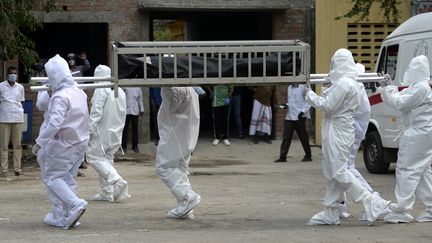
(295, 120)
(134, 108)
(11, 120)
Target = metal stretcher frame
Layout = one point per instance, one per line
(216, 49)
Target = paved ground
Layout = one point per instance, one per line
(245, 197)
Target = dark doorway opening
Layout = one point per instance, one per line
(219, 26)
(64, 38)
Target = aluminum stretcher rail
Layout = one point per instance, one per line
(215, 54)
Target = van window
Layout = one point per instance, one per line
(388, 60)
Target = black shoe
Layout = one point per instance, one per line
(306, 159)
(18, 173)
(136, 150)
(81, 174)
(279, 160)
(267, 140)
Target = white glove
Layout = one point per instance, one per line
(35, 149)
(386, 81)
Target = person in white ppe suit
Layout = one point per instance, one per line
(361, 123)
(61, 144)
(178, 123)
(413, 168)
(338, 135)
(106, 123)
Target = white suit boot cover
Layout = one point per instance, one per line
(76, 211)
(426, 216)
(398, 217)
(174, 213)
(343, 214)
(374, 206)
(185, 205)
(121, 190)
(329, 216)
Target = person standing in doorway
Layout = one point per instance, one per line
(134, 108)
(220, 105)
(11, 120)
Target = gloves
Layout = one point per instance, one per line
(387, 81)
(35, 149)
(227, 101)
(301, 116)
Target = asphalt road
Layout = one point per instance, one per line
(245, 197)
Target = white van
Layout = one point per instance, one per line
(410, 39)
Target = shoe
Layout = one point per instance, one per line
(426, 216)
(75, 213)
(18, 173)
(51, 221)
(174, 214)
(102, 197)
(81, 174)
(136, 150)
(374, 206)
(3, 174)
(241, 136)
(215, 142)
(279, 160)
(121, 190)
(398, 217)
(190, 205)
(83, 165)
(306, 159)
(255, 140)
(226, 142)
(267, 140)
(330, 216)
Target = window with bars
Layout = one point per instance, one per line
(364, 41)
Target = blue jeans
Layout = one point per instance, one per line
(236, 109)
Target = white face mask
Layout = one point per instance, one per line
(12, 77)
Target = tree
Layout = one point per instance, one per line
(17, 21)
(361, 8)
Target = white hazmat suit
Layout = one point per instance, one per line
(178, 123)
(106, 123)
(62, 140)
(413, 169)
(339, 107)
(361, 123)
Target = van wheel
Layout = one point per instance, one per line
(374, 154)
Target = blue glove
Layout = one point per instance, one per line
(227, 101)
(301, 116)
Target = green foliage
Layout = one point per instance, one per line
(361, 9)
(16, 22)
(162, 34)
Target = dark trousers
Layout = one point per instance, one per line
(130, 119)
(300, 128)
(220, 121)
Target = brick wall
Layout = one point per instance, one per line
(296, 23)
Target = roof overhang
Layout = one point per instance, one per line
(211, 5)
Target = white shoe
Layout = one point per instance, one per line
(374, 206)
(51, 221)
(121, 190)
(398, 217)
(226, 142)
(426, 216)
(75, 213)
(189, 205)
(174, 214)
(215, 142)
(102, 197)
(329, 216)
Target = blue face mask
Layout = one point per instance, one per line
(12, 77)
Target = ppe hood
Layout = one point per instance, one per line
(418, 71)
(58, 73)
(360, 68)
(342, 66)
(102, 71)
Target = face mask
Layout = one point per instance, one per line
(12, 77)
(71, 62)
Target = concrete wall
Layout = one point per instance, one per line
(332, 34)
